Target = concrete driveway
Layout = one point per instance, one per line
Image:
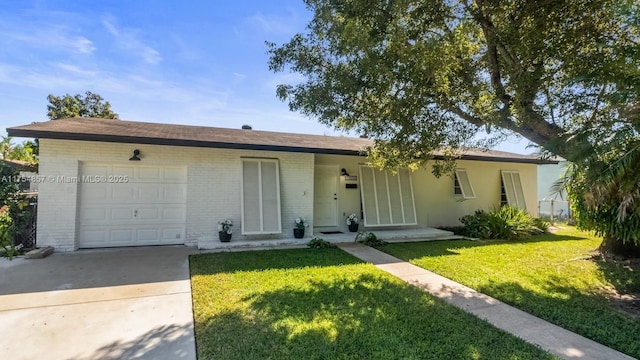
(132, 303)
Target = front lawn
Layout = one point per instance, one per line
(326, 304)
(554, 277)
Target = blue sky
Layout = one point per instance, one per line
(182, 62)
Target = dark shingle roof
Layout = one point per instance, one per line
(107, 130)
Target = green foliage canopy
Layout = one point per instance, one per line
(421, 75)
(68, 106)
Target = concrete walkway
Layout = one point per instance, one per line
(549, 337)
(132, 303)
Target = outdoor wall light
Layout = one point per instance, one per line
(135, 156)
(344, 172)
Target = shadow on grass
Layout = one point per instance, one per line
(560, 303)
(268, 260)
(366, 316)
(449, 247)
(624, 276)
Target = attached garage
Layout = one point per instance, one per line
(131, 205)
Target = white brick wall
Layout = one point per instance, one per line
(213, 186)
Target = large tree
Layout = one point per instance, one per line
(421, 75)
(89, 105)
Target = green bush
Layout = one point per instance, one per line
(456, 230)
(369, 239)
(15, 214)
(319, 243)
(506, 223)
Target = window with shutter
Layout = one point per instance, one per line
(512, 190)
(462, 186)
(387, 199)
(261, 197)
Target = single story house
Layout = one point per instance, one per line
(107, 183)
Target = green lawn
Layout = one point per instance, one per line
(550, 276)
(325, 304)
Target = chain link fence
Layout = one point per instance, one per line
(554, 209)
(26, 235)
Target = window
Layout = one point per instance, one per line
(462, 186)
(512, 193)
(387, 199)
(261, 197)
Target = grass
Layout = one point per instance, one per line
(326, 304)
(551, 276)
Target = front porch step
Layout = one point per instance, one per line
(420, 239)
(392, 236)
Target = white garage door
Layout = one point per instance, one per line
(131, 205)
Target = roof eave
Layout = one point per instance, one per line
(174, 142)
(508, 159)
(18, 132)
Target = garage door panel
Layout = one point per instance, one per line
(95, 170)
(175, 174)
(100, 192)
(149, 209)
(145, 214)
(174, 192)
(147, 173)
(120, 170)
(150, 192)
(147, 235)
(121, 213)
(174, 214)
(172, 236)
(96, 236)
(121, 235)
(122, 193)
(90, 215)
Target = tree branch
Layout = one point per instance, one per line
(466, 116)
(492, 56)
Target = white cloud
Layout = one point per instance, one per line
(270, 24)
(129, 40)
(238, 78)
(74, 69)
(51, 37)
(275, 24)
(184, 51)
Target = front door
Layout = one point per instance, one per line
(325, 201)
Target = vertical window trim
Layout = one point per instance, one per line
(261, 197)
(466, 193)
(512, 175)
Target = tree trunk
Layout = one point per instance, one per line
(612, 246)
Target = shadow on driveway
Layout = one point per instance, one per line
(95, 268)
(125, 303)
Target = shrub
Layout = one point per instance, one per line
(320, 243)
(456, 230)
(506, 223)
(369, 239)
(15, 214)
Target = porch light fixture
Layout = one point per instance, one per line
(135, 156)
(344, 172)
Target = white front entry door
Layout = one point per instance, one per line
(131, 205)
(325, 198)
